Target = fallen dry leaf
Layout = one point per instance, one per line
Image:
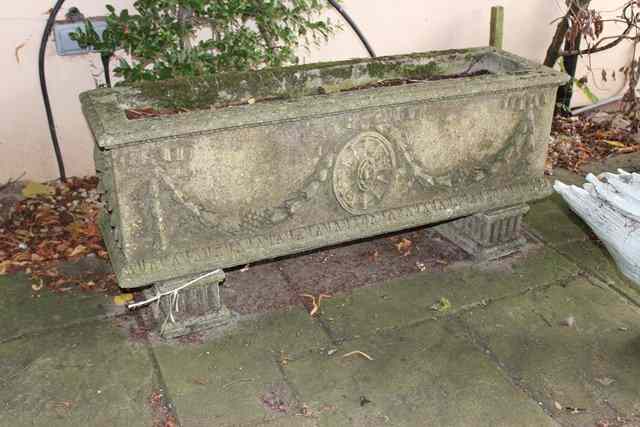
(34, 189)
(606, 381)
(364, 401)
(615, 144)
(305, 411)
(78, 250)
(4, 267)
(67, 404)
(122, 299)
(569, 322)
(52, 225)
(38, 286)
(18, 49)
(579, 140)
(443, 305)
(284, 359)
(404, 246)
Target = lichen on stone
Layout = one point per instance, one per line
(225, 89)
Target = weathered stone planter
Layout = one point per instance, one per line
(298, 158)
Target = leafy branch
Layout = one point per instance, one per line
(166, 39)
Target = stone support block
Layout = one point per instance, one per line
(488, 235)
(197, 307)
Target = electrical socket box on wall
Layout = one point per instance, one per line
(62, 31)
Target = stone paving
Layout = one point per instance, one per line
(548, 337)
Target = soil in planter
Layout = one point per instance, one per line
(147, 112)
(401, 82)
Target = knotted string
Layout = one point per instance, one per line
(174, 298)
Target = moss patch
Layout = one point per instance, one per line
(227, 89)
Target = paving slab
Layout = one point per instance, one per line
(629, 162)
(24, 311)
(583, 374)
(85, 375)
(426, 374)
(553, 221)
(568, 177)
(594, 258)
(411, 299)
(236, 379)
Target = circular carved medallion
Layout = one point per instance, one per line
(364, 172)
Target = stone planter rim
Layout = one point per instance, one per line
(111, 128)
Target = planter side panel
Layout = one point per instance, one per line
(195, 202)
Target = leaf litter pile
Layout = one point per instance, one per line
(52, 226)
(579, 140)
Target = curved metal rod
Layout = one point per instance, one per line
(43, 86)
(353, 25)
(43, 82)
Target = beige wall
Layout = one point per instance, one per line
(392, 26)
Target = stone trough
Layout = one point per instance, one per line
(269, 163)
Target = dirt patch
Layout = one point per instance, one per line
(406, 81)
(336, 270)
(278, 399)
(161, 411)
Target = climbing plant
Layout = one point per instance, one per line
(582, 25)
(165, 39)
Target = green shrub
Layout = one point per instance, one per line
(166, 39)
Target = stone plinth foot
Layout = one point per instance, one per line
(198, 307)
(488, 235)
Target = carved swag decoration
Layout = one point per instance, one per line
(359, 175)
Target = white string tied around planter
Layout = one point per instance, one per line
(174, 295)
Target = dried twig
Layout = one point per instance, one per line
(358, 352)
(243, 380)
(12, 181)
(315, 303)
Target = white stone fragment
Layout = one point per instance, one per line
(610, 205)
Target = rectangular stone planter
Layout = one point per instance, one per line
(280, 161)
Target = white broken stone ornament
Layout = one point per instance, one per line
(610, 205)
